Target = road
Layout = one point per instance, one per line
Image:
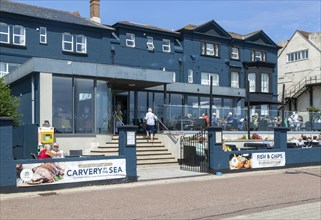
(207, 197)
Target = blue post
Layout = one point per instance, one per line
(280, 138)
(127, 147)
(7, 165)
(215, 148)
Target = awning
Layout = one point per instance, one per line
(262, 99)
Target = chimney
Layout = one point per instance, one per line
(95, 10)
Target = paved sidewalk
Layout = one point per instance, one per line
(311, 211)
(173, 173)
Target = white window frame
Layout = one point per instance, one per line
(64, 42)
(7, 33)
(4, 69)
(166, 45)
(20, 36)
(206, 79)
(235, 80)
(81, 41)
(43, 35)
(252, 82)
(210, 49)
(150, 43)
(190, 76)
(265, 82)
(264, 109)
(130, 40)
(298, 55)
(258, 55)
(174, 76)
(235, 53)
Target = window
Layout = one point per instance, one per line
(252, 79)
(81, 44)
(43, 35)
(264, 82)
(235, 80)
(190, 76)
(174, 77)
(166, 45)
(67, 42)
(264, 110)
(130, 40)
(150, 43)
(258, 55)
(210, 49)
(206, 78)
(84, 100)
(298, 55)
(6, 68)
(235, 53)
(4, 33)
(19, 35)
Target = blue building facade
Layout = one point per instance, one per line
(74, 72)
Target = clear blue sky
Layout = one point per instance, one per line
(279, 19)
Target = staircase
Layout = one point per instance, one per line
(148, 153)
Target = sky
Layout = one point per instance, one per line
(279, 19)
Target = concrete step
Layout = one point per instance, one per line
(148, 153)
(155, 157)
(156, 162)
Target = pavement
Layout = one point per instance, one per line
(173, 173)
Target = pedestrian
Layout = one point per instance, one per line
(118, 118)
(150, 124)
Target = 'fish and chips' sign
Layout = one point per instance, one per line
(69, 172)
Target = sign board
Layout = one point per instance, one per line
(131, 138)
(37, 174)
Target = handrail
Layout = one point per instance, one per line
(306, 80)
(171, 135)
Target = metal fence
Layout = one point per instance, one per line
(194, 152)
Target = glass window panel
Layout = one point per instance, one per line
(235, 80)
(102, 116)
(252, 79)
(62, 104)
(4, 33)
(210, 49)
(81, 44)
(67, 42)
(166, 45)
(19, 35)
(84, 114)
(43, 35)
(264, 82)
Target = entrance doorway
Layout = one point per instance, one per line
(120, 100)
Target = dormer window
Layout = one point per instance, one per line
(43, 35)
(4, 33)
(67, 42)
(258, 55)
(150, 43)
(235, 53)
(210, 49)
(166, 45)
(81, 44)
(19, 35)
(130, 40)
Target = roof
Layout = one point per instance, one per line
(145, 26)
(242, 37)
(305, 34)
(49, 14)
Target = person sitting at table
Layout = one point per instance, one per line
(46, 153)
(55, 149)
